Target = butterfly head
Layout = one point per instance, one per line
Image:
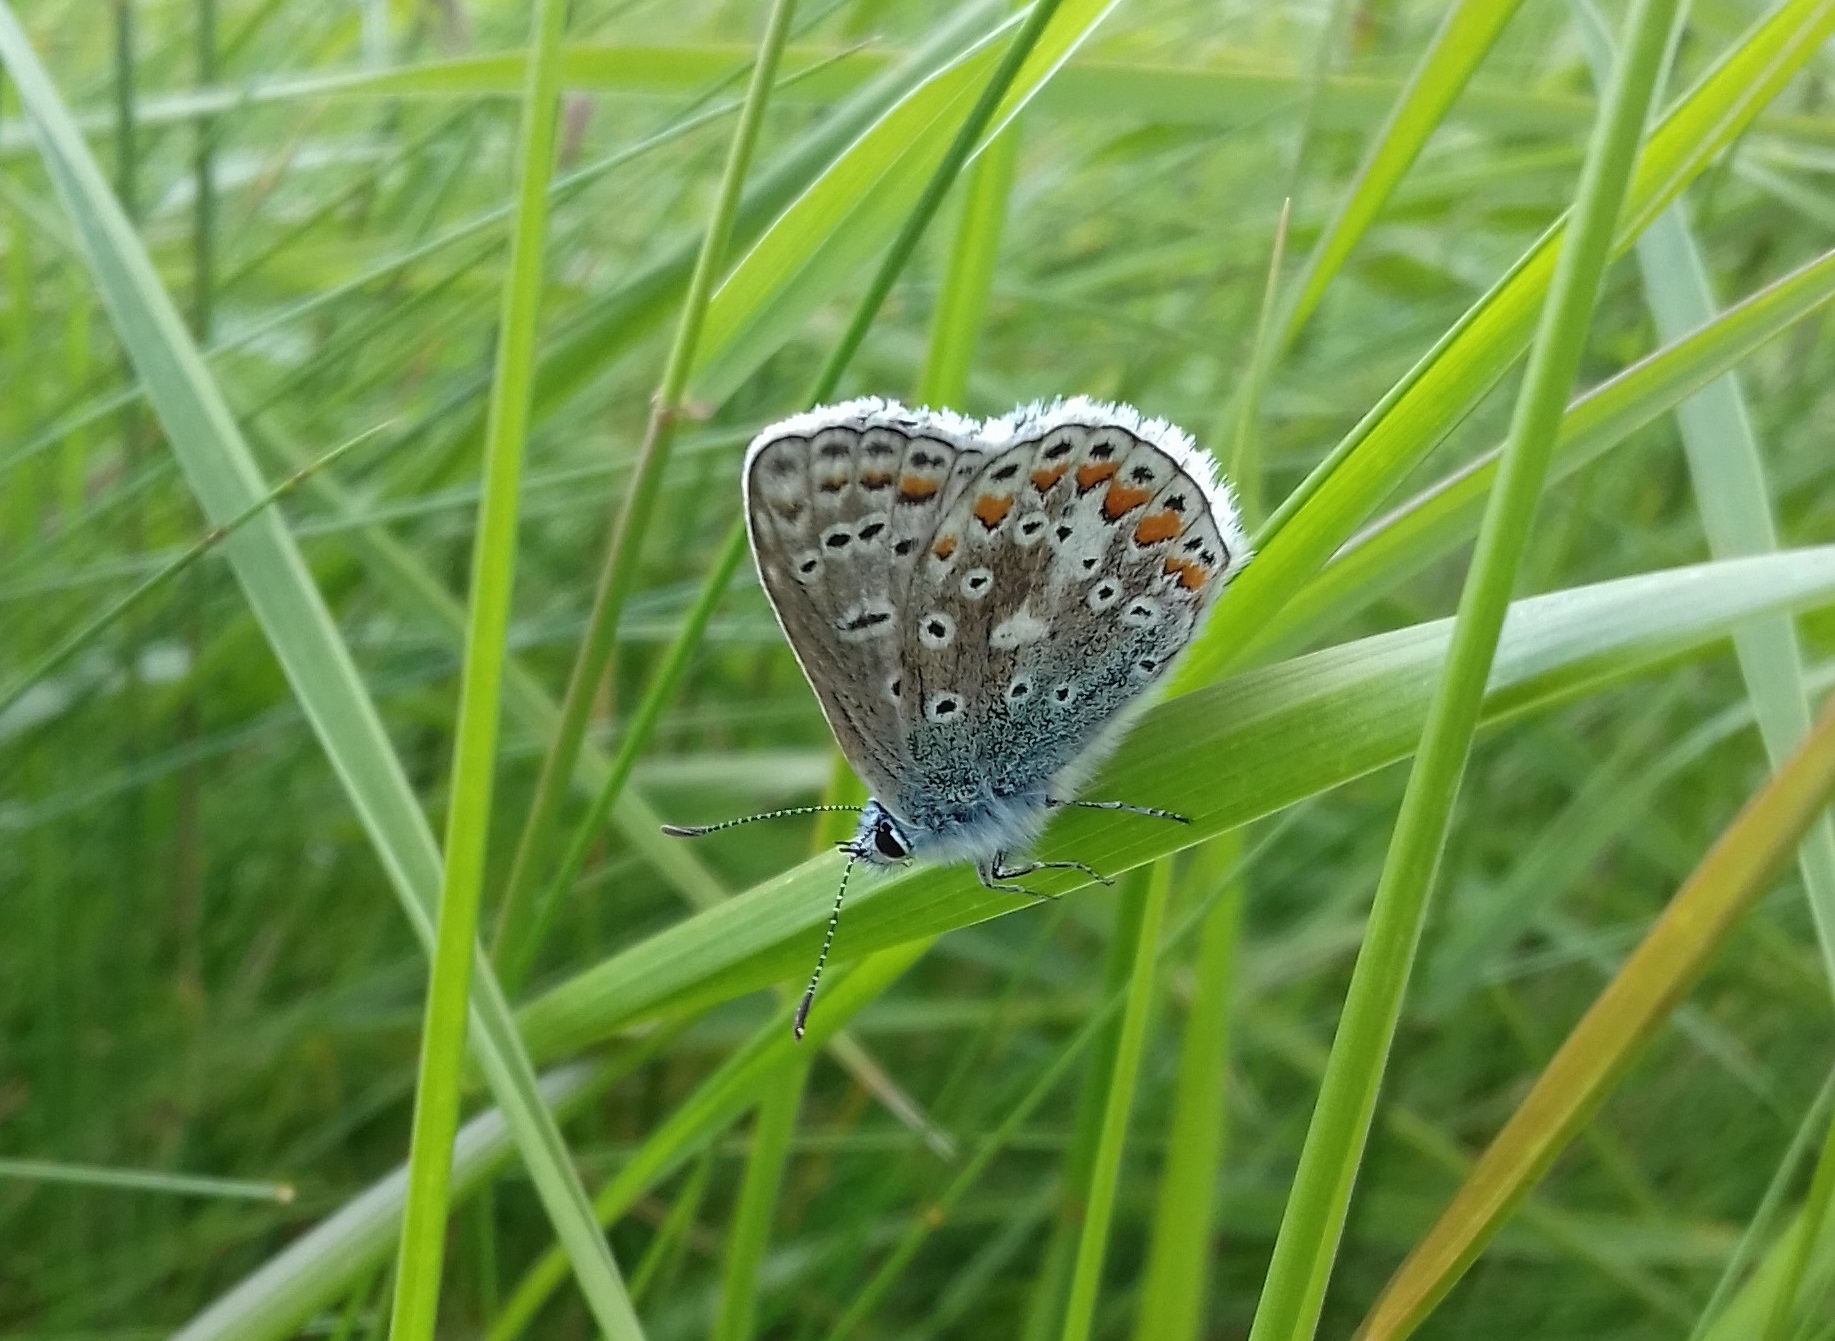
(881, 840)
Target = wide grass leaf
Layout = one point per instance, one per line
(1224, 755)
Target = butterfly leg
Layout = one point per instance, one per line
(1174, 816)
(996, 871)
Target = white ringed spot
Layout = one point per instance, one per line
(943, 706)
(936, 630)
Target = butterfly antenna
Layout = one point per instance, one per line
(697, 830)
(828, 939)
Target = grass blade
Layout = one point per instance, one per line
(1118, 1090)
(1176, 1281)
(1050, 1286)
(1728, 474)
(1433, 523)
(421, 1257)
(144, 1180)
(1808, 1229)
(293, 616)
(1233, 752)
(716, 1103)
(1441, 388)
(874, 194)
(1465, 36)
(1665, 965)
(751, 1228)
(345, 1248)
(1294, 1291)
(617, 568)
(1759, 1225)
(962, 305)
(79, 638)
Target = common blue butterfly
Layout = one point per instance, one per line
(979, 606)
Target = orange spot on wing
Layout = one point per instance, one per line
(916, 488)
(1160, 526)
(1089, 476)
(874, 479)
(1042, 480)
(1122, 499)
(992, 509)
(1191, 575)
(944, 547)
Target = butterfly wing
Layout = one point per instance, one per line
(1068, 573)
(839, 504)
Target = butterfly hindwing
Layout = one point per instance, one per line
(840, 504)
(1068, 573)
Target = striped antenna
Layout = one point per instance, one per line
(697, 830)
(828, 939)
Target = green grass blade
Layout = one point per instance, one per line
(1810, 1221)
(1228, 754)
(1666, 964)
(1764, 1216)
(81, 637)
(1307, 1246)
(1465, 36)
(617, 568)
(1050, 1286)
(342, 1250)
(750, 1233)
(1119, 1085)
(663, 1257)
(962, 305)
(594, 339)
(660, 690)
(420, 1260)
(1433, 523)
(144, 1180)
(869, 194)
(1728, 473)
(421, 594)
(1096, 1033)
(1749, 1311)
(293, 616)
(1468, 361)
(1734, 498)
(764, 1060)
(1176, 1280)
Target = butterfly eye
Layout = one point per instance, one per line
(889, 843)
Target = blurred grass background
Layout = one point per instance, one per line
(203, 974)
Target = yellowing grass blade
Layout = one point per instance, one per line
(1612, 1034)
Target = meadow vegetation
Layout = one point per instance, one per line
(373, 381)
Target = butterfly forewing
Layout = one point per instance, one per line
(840, 504)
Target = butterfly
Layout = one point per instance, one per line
(981, 607)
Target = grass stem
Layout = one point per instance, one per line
(1307, 1245)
